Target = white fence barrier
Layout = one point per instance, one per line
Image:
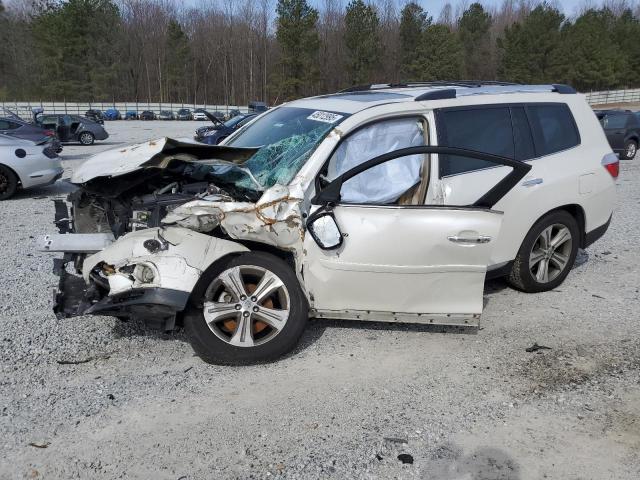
(613, 96)
(24, 109)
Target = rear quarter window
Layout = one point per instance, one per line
(554, 128)
(484, 129)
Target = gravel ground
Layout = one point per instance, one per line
(353, 401)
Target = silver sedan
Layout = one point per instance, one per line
(24, 164)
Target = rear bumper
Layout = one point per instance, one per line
(596, 234)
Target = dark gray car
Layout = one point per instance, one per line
(622, 128)
(73, 128)
(18, 128)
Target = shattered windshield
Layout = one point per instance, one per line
(287, 137)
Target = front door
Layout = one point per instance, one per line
(399, 261)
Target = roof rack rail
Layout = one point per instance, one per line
(433, 83)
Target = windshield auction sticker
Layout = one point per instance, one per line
(326, 117)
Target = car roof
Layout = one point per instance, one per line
(359, 98)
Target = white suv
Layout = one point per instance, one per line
(385, 202)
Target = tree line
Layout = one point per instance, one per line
(235, 51)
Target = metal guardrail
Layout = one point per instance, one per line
(613, 96)
(24, 109)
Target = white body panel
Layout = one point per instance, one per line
(401, 260)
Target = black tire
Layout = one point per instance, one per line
(630, 150)
(8, 183)
(521, 276)
(213, 349)
(86, 138)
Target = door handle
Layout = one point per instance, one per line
(532, 182)
(472, 240)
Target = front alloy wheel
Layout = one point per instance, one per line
(246, 306)
(245, 310)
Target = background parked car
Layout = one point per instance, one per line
(234, 113)
(166, 115)
(15, 127)
(112, 114)
(184, 114)
(200, 114)
(72, 128)
(147, 115)
(95, 115)
(258, 107)
(622, 128)
(131, 115)
(24, 164)
(215, 134)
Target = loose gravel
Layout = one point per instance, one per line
(355, 400)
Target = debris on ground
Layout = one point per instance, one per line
(40, 445)
(405, 458)
(535, 347)
(105, 356)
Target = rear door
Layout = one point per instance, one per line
(615, 127)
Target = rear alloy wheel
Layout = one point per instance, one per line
(547, 254)
(630, 150)
(250, 309)
(8, 183)
(87, 138)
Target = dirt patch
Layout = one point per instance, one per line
(571, 366)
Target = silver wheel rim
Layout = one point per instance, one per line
(246, 306)
(550, 253)
(631, 150)
(85, 138)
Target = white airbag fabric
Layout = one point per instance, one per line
(384, 183)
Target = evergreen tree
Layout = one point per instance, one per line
(178, 62)
(590, 57)
(413, 23)
(473, 28)
(440, 54)
(362, 40)
(297, 36)
(74, 49)
(626, 34)
(530, 50)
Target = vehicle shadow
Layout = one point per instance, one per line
(450, 463)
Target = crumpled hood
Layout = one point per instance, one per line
(123, 160)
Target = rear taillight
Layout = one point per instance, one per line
(50, 133)
(611, 163)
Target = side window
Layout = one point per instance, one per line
(388, 182)
(484, 129)
(614, 121)
(5, 125)
(553, 127)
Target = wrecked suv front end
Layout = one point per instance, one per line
(148, 220)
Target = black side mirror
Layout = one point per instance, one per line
(325, 231)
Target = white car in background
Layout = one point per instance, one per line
(25, 164)
(384, 202)
(200, 114)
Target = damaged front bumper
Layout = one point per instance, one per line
(149, 273)
(74, 297)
